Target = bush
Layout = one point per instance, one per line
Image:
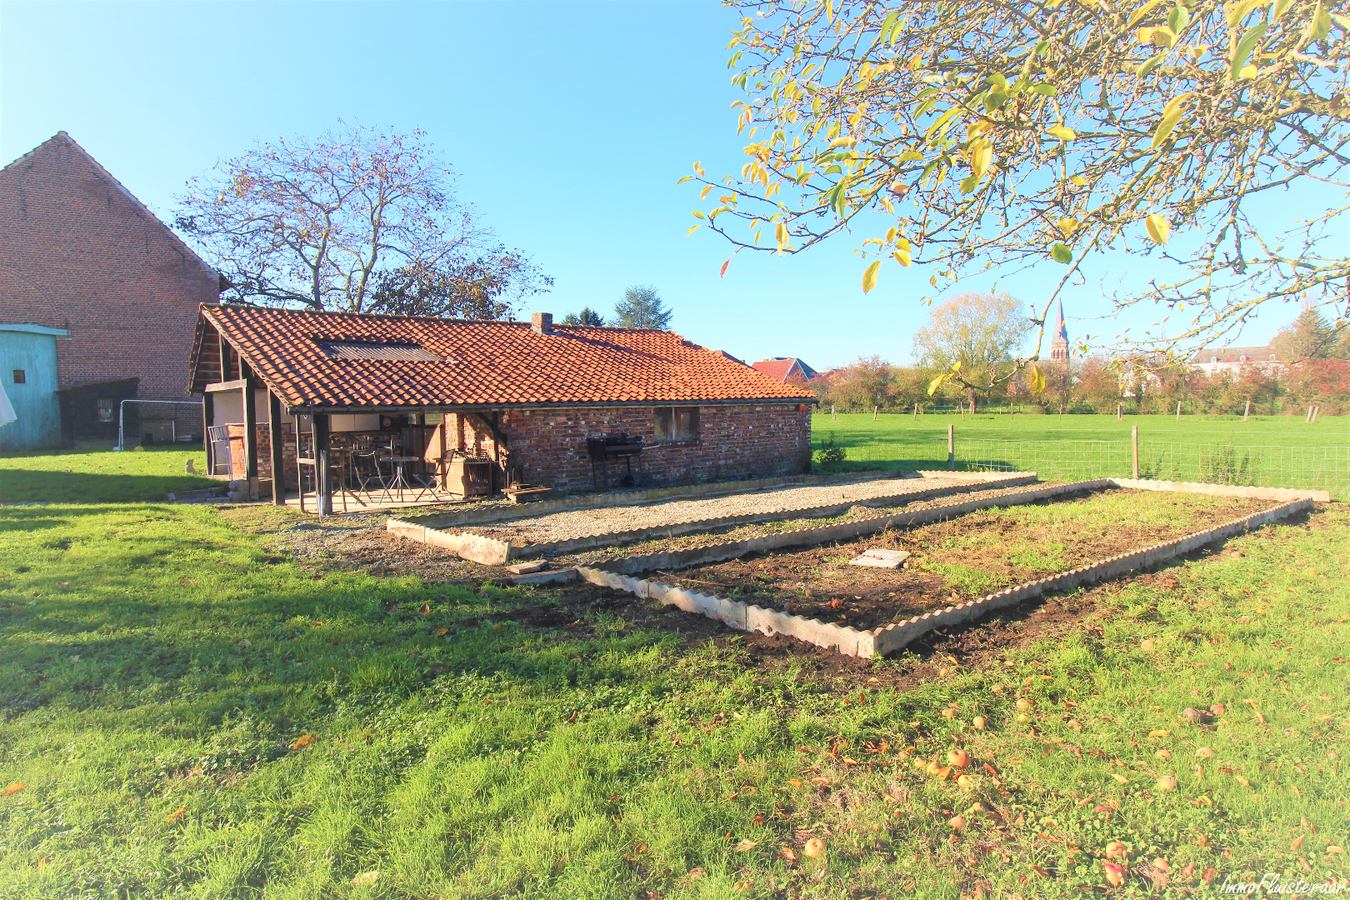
(829, 456)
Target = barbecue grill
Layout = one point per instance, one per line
(608, 447)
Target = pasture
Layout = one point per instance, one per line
(1269, 451)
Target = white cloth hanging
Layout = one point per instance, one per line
(6, 408)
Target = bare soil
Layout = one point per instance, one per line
(953, 561)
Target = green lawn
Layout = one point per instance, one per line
(99, 476)
(1275, 451)
(186, 713)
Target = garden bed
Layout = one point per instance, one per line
(961, 559)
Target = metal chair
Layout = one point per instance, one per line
(221, 463)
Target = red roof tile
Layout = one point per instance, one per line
(481, 364)
(781, 367)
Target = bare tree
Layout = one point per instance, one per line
(969, 136)
(324, 223)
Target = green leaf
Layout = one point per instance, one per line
(970, 183)
(1178, 19)
(887, 25)
(870, 277)
(1061, 132)
(1037, 380)
(1150, 64)
(1061, 253)
(1045, 90)
(1320, 25)
(1244, 49)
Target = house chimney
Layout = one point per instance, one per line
(542, 323)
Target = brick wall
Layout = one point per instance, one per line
(77, 251)
(735, 441)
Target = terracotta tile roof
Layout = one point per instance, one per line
(780, 368)
(481, 364)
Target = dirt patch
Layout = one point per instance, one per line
(957, 560)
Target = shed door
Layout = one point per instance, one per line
(28, 373)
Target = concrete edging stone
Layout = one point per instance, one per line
(888, 639)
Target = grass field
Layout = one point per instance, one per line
(99, 476)
(1273, 451)
(184, 712)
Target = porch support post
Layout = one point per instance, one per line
(322, 433)
(278, 441)
(250, 432)
(208, 416)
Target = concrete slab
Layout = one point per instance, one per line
(526, 568)
(880, 558)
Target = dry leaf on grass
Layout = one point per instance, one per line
(176, 814)
(14, 788)
(303, 741)
(366, 878)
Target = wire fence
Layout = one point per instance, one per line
(1324, 468)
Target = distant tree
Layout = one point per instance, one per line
(327, 223)
(1309, 337)
(484, 288)
(641, 308)
(972, 338)
(587, 316)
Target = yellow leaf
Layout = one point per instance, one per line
(14, 788)
(1061, 132)
(1172, 114)
(692, 230)
(981, 155)
(366, 878)
(870, 276)
(176, 814)
(1163, 37)
(1158, 228)
(1037, 380)
(780, 232)
(937, 383)
(746, 845)
(795, 782)
(1121, 778)
(1068, 225)
(901, 254)
(442, 632)
(303, 741)
(703, 194)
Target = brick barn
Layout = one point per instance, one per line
(562, 407)
(111, 288)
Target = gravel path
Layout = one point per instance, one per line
(581, 523)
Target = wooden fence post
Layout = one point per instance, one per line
(1120, 411)
(875, 410)
(916, 412)
(1178, 410)
(1248, 411)
(951, 447)
(1134, 449)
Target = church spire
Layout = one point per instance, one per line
(1059, 346)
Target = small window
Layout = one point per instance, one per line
(1242, 358)
(677, 423)
(105, 410)
(20, 376)
(1213, 359)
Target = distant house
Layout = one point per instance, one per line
(535, 402)
(1234, 359)
(787, 369)
(98, 298)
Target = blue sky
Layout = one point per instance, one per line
(568, 124)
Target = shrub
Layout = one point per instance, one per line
(829, 456)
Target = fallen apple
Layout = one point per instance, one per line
(958, 758)
(814, 848)
(978, 722)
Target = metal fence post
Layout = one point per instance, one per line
(1134, 449)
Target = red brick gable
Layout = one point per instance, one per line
(480, 364)
(79, 252)
(789, 370)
